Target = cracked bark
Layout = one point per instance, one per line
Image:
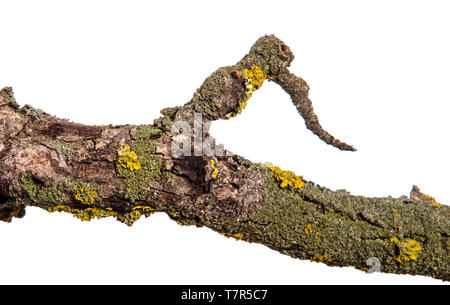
(58, 165)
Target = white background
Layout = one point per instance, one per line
(379, 78)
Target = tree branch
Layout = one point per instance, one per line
(128, 171)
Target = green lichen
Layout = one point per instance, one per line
(40, 194)
(57, 198)
(349, 232)
(170, 111)
(83, 192)
(33, 113)
(147, 132)
(267, 57)
(285, 217)
(137, 182)
(170, 175)
(8, 95)
(66, 149)
(163, 122)
(60, 194)
(270, 54)
(207, 98)
(85, 195)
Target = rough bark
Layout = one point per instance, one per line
(129, 171)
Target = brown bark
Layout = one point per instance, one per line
(129, 171)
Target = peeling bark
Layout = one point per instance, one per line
(62, 166)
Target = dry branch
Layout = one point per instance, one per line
(129, 171)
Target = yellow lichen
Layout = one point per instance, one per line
(136, 213)
(408, 249)
(62, 208)
(144, 209)
(435, 204)
(320, 259)
(91, 213)
(128, 158)
(254, 78)
(84, 214)
(287, 178)
(85, 196)
(237, 236)
(433, 201)
(308, 229)
(133, 216)
(216, 170)
(428, 197)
